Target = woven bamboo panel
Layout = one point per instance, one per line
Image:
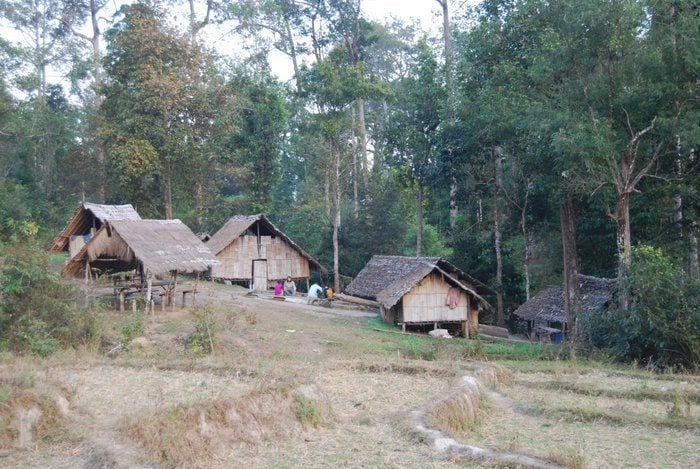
(426, 302)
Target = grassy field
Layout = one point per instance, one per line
(250, 382)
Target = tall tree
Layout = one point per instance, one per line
(413, 131)
(158, 109)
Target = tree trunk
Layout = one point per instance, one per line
(419, 219)
(97, 72)
(355, 176)
(363, 141)
(693, 238)
(336, 217)
(168, 196)
(527, 241)
(498, 163)
(293, 52)
(624, 247)
(447, 54)
(572, 291)
(454, 211)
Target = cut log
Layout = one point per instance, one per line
(494, 331)
(356, 300)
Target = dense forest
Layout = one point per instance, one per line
(531, 140)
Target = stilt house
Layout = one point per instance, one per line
(545, 311)
(252, 250)
(421, 291)
(150, 247)
(87, 219)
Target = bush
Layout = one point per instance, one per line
(662, 326)
(38, 312)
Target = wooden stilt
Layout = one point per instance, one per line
(149, 293)
(172, 299)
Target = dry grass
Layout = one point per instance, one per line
(288, 385)
(572, 414)
(202, 434)
(33, 411)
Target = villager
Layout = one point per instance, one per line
(329, 292)
(290, 288)
(278, 288)
(315, 292)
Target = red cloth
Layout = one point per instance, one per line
(453, 295)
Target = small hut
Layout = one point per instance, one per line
(86, 220)
(253, 251)
(153, 248)
(545, 313)
(421, 291)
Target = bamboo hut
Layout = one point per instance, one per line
(545, 313)
(253, 251)
(86, 220)
(155, 247)
(421, 291)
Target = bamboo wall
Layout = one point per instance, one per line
(282, 260)
(426, 303)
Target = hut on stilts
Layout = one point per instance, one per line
(86, 220)
(545, 312)
(414, 291)
(254, 252)
(154, 250)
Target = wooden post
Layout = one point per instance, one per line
(87, 271)
(149, 292)
(122, 299)
(172, 297)
(196, 284)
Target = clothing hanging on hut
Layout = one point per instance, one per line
(452, 299)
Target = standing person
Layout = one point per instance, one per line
(315, 291)
(290, 288)
(278, 288)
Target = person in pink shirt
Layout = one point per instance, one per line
(278, 288)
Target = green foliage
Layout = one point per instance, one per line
(255, 146)
(201, 340)
(134, 328)
(38, 312)
(308, 412)
(662, 328)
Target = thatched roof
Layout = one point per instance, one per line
(239, 224)
(161, 246)
(548, 304)
(87, 216)
(386, 279)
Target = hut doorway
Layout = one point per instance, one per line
(260, 274)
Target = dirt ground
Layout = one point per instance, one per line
(367, 381)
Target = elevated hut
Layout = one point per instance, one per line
(86, 220)
(421, 290)
(252, 250)
(151, 247)
(545, 313)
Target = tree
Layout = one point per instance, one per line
(159, 109)
(413, 131)
(255, 145)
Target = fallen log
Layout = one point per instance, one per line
(356, 300)
(494, 331)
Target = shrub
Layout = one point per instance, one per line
(202, 339)
(38, 312)
(662, 326)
